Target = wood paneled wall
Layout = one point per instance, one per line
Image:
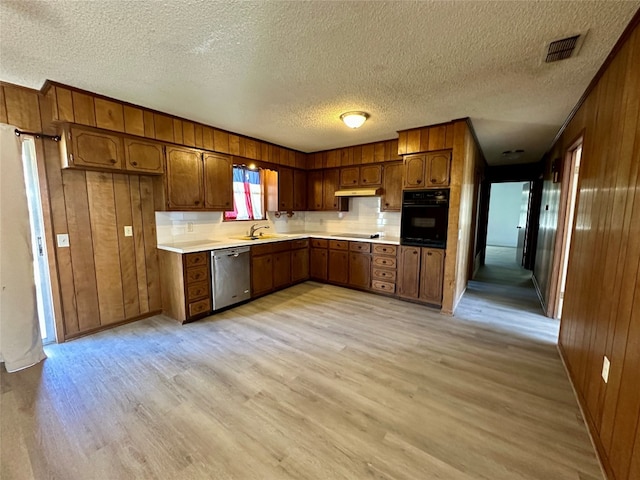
(601, 314)
(385, 151)
(77, 106)
(467, 169)
(103, 278)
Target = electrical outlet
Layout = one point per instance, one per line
(128, 231)
(63, 240)
(605, 369)
(190, 227)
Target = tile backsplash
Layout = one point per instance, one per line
(364, 216)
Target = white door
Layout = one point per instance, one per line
(40, 261)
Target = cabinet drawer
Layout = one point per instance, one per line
(264, 249)
(386, 262)
(196, 308)
(338, 245)
(362, 247)
(194, 259)
(382, 249)
(197, 274)
(197, 290)
(319, 243)
(295, 244)
(383, 286)
(385, 275)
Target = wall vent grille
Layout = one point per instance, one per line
(561, 49)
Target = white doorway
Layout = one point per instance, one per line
(40, 257)
(572, 167)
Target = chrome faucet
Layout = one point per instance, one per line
(255, 228)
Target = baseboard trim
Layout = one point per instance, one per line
(540, 296)
(607, 472)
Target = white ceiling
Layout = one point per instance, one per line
(285, 71)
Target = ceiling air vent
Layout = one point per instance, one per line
(561, 49)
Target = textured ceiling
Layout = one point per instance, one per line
(285, 71)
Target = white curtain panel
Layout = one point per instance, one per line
(20, 341)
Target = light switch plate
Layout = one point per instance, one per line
(605, 369)
(189, 227)
(128, 231)
(63, 240)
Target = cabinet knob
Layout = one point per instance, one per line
(197, 202)
(433, 180)
(135, 164)
(429, 253)
(414, 252)
(113, 160)
(418, 181)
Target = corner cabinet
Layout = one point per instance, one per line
(427, 170)
(198, 180)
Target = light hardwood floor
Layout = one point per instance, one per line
(313, 382)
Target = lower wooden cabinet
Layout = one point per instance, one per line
(186, 284)
(360, 270)
(261, 275)
(421, 274)
(319, 263)
(277, 265)
(300, 263)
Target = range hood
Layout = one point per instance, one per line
(359, 192)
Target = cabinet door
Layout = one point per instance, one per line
(414, 170)
(285, 189)
(330, 185)
(438, 165)
(360, 270)
(431, 275)
(218, 182)
(261, 275)
(184, 179)
(299, 190)
(144, 157)
(315, 193)
(339, 266)
(300, 264)
(281, 269)
(409, 272)
(318, 264)
(392, 188)
(349, 176)
(98, 150)
(371, 175)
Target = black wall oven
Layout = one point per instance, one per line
(425, 217)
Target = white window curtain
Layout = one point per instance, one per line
(20, 341)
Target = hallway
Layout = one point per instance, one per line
(506, 289)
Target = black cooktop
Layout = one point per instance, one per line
(356, 235)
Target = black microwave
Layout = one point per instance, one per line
(425, 218)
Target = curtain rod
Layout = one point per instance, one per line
(55, 138)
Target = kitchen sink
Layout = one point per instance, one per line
(266, 236)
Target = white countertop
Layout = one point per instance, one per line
(217, 244)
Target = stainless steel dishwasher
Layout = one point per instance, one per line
(230, 276)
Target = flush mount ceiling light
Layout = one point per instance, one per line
(354, 119)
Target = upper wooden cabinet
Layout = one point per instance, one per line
(427, 170)
(184, 179)
(361, 176)
(315, 191)
(218, 182)
(143, 156)
(197, 180)
(330, 182)
(94, 149)
(89, 148)
(299, 190)
(391, 200)
(285, 189)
